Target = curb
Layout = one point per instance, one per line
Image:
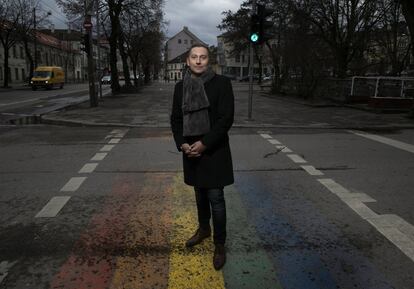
(66, 122)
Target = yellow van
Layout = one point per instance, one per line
(48, 77)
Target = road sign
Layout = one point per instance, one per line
(87, 25)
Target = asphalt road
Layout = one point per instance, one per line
(100, 207)
(20, 104)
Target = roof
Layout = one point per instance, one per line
(47, 39)
(189, 33)
(179, 59)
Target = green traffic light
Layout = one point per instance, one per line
(254, 37)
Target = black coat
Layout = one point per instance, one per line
(214, 168)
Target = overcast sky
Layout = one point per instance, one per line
(200, 16)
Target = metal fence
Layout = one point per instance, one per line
(382, 86)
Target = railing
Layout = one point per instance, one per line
(402, 80)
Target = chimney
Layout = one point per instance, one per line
(185, 28)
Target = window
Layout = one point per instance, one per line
(1, 73)
(172, 75)
(14, 51)
(192, 41)
(16, 70)
(185, 41)
(179, 41)
(23, 74)
(237, 57)
(243, 58)
(21, 52)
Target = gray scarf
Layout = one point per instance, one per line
(196, 120)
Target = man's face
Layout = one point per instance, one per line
(197, 60)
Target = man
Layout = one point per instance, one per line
(202, 114)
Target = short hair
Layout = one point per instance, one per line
(198, 45)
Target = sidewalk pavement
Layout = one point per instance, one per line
(152, 105)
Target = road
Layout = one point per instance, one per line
(23, 102)
(102, 207)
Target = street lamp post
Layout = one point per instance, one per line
(98, 66)
(35, 33)
(89, 51)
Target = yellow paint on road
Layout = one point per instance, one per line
(189, 268)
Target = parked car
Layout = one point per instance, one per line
(267, 77)
(106, 79)
(247, 78)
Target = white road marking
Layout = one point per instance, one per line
(296, 159)
(284, 149)
(393, 221)
(52, 208)
(399, 239)
(118, 133)
(265, 135)
(395, 229)
(333, 186)
(107, 148)
(88, 168)
(99, 156)
(312, 170)
(73, 184)
(391, 142)
(4, 269)
(114, 140)
(274, 141)
(115, 131)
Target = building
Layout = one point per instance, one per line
(236, 64)
(54, 48)
(175, 49)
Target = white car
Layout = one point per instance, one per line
(106, 79)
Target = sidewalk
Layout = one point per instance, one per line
(151, 108)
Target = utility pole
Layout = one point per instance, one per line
(35, 37)
(98, 66)
(89, 51)
(251, 71)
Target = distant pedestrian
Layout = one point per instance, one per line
(202, 115)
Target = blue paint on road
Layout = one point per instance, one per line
(307, 250)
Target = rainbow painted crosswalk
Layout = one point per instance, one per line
(136, 240)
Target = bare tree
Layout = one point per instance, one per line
(344, 25)
(9, 20)
(116, 12)
(26, 24)
(408, 12)
(391, 36)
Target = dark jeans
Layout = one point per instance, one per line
(210, 202)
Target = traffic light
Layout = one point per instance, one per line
(255, 29)
(85, 45)
(259, 26)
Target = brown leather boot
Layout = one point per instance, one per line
(219, 258)
(198, 237)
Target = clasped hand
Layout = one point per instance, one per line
(194, 150)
